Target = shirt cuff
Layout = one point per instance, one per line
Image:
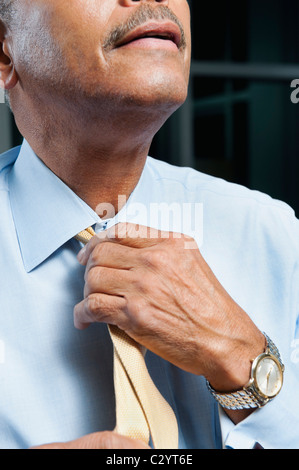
(226, 425)
(243, 441)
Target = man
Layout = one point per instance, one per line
(90, 83)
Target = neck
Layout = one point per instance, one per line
(99, 159)
(96, 174)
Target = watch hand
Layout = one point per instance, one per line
(268, 375)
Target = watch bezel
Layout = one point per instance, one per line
(254, 382)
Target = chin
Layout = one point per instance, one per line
(148, 78)
(125, 89)
(157, 89)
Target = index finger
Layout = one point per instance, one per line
(133, 235)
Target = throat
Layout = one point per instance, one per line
(105, 190)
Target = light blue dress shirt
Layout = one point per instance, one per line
(56, 382)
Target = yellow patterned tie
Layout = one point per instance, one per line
(141, 411)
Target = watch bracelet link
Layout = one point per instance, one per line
(247, 397)
(239, 400)
(271, 347)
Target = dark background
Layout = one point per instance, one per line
(238, 122)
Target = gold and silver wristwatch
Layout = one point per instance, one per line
(265, 382)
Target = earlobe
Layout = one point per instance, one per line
(11, 78)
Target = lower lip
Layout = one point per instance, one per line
(152, 43)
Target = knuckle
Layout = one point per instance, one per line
(100, 249)
(93, 304)
(93, 257)
(98, 252)
(155, 258)
(93, 277)
(161, 257)
(95, 254)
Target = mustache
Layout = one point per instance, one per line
(142, 15)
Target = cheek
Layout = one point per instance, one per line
(182, 11)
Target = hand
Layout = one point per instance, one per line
(98, 440)
(165, 296)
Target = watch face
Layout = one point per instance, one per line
(268, 376)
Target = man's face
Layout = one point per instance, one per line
(118, 50)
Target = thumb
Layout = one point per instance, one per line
(98, 440)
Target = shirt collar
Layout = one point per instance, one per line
(46, 212)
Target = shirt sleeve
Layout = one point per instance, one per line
(272, 427)
(241, 442)
(275, 425)
(226, 425)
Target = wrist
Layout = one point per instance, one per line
(235, 363)
(266, 379)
